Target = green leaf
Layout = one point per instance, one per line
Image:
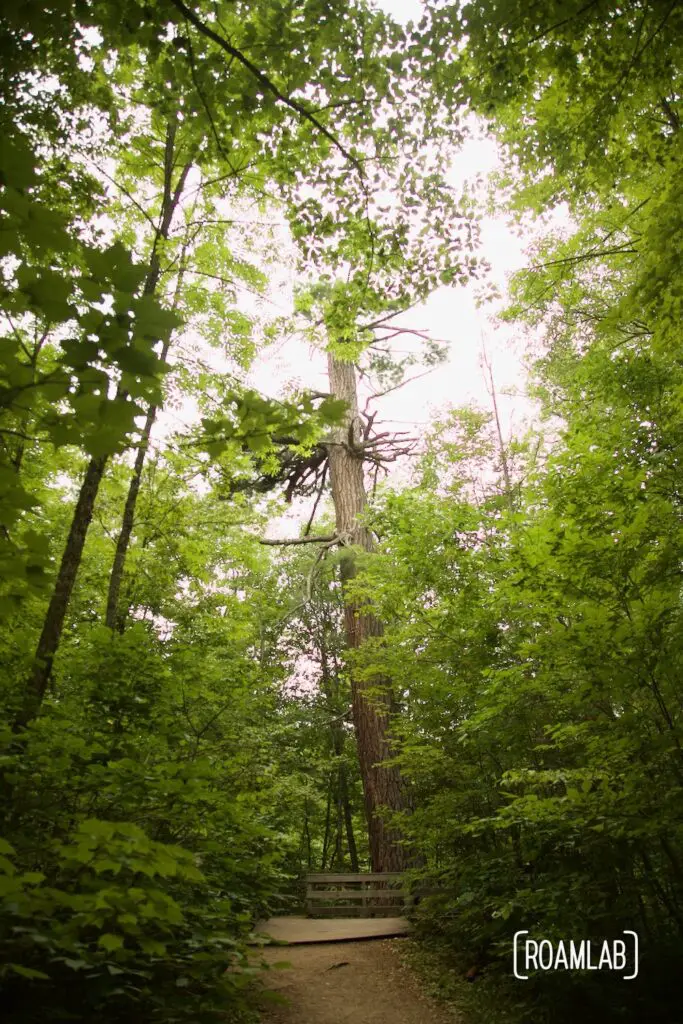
(33, 877)
(152, 320)
(17, 161)
(28, 972)
(110, 942)
(152, 946)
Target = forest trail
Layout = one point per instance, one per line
(349, 983)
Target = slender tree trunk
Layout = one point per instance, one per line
(309, 851)
(502, 447)
(382, 784)
(53, 625)
(348, 819)
(330, 687)
(114, 618)
(338, 855)
(66, 577)
(326, 839)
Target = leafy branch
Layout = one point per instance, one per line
(265, 81)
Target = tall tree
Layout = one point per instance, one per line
(172, 196)
(55, 615)
(372, 699)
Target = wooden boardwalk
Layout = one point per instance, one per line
(343, 907)
(301, 930)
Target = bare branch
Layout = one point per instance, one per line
(285, 542)
(385, 319)
(396, 387)
(126, 193)
(319, 495)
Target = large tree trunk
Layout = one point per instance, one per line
(382, 784)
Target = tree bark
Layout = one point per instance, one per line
(337, 859)
(326, 838)
(330, 687)
(383, 787)
(502, 447)
(113, 619)
(53, 624)
(66, 577)
(348, 820)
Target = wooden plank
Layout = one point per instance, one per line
(360, 878)
(375, 894)
(368, 890)
(297, 930)
(335, 894)
(326, 911)
(360, 894)
(369, 912)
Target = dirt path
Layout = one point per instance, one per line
(349, 983)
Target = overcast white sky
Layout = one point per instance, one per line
(451, 315)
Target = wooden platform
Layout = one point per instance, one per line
(300, 930)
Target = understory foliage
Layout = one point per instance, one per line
(534, 620)
(147, 801)
(176, 739)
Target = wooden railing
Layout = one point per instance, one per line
(356, 895)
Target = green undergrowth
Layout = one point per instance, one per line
(491, 998)
(489, 994)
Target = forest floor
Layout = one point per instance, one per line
(349, 983)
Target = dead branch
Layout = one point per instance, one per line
(396, 387)
(319, 495)
(288, 541)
